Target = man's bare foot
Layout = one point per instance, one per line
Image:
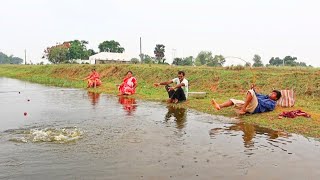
(215, 104)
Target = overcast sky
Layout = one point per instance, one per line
(241, 28)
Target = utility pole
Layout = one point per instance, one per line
(141, 56)
(25, 56)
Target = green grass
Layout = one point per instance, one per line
(219, 83)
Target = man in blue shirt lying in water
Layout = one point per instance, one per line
(254, 103)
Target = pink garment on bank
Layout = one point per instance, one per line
(293, 114)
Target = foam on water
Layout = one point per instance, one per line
(56, 135)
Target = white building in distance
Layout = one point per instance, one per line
(109, 57)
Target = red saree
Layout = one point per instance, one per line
(94, 79)
(128, 86)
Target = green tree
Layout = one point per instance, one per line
(203, 58)
(218, 60)
(257, 61)
(146, 59)
(91, 52)
(302, 64)
(78, 50)
(212, 62)
(275, 61)
(287, 61)
(206, 58)
(15, 60)
(58, 54)
(135, 61)
(187, 61)
(4, 59)
(111, 46)
(290, 61)
(177, 61)
(159, 51)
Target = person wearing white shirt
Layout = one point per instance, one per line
(179, 91)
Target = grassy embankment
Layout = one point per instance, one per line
(219, 83)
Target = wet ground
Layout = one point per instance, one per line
(55, 133)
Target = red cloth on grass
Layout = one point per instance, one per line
(293, 114)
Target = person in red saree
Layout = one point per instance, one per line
(128, 86)
(93, 79)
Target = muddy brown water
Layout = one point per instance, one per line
(73, 134)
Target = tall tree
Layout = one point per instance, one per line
(219, 60)
(257, 61)
(111, 46)
(78, 50)
(58, 54)
(4, 59)
(206, 58)
(203, 58)
(290, 61)
(275, 61)
(159, 51)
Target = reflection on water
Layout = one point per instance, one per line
(249, 132)
(94, 97)
(177, 114)
(129, 104)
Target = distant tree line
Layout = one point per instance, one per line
(5, 59)
(69, 51)
(286, 61)
(276, 61)
(206, 58)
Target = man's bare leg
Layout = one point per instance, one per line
(223, 105)
(246, 103)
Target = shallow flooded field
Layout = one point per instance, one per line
(56, 133)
